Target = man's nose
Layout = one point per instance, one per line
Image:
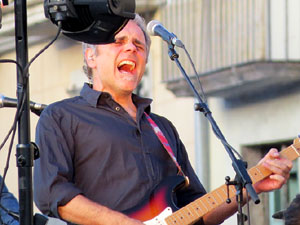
(130, 46)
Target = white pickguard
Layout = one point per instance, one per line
(160, 219)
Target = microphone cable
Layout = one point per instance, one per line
(224, 142)
(204, 99)
(20, 107)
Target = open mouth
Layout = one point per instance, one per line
(126, 66)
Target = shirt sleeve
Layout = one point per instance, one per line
(53, 171)
(9, 202)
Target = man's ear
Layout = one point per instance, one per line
(90, 57)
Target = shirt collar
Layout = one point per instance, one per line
(92, 97)
(142, 103)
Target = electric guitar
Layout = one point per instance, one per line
(159, 208)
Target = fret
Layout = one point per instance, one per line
(207, 199)
(215, 197)
(290, 152)
(259, 172)
(232, 191)
(293, 147)
(218, 198)
(197, 208)
(180, 216)
(200, 200)
(192, 216)
(189, 212)
(221, 197)
(255, 174)
(224, 190)
(185, 217)
(173, 219)
(193, 209)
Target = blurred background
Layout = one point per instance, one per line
(247, 53)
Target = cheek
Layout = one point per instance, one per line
(107, 54)
(106, 63)
(143, 68)
(143, 60)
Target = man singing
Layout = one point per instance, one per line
(100, 153)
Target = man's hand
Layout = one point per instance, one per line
(280, 168)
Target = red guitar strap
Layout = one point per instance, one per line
(166, 145)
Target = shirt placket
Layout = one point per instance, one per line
(149, 163)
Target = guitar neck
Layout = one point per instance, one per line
(198, 208)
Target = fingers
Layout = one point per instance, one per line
(280, 167)
(272, 154)
(280, 179)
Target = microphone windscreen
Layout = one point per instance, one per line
(151, 25)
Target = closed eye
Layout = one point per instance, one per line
(139, 44)
(141, 47)
(119, 42)
(123, 40)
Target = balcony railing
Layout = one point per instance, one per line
(228, 33)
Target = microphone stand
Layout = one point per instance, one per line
(243, 179)
(25, 151)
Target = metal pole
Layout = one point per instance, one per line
(24, 151)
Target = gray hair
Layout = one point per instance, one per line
(140, 22)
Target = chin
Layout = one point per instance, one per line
(129, 85)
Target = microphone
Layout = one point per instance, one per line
(36, 108)
(155, 28)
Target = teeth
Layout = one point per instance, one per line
(132, 64)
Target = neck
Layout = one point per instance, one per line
(124, 99)
(127, 103)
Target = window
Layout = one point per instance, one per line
(280, 199)
(273, 201)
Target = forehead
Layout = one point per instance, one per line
(131, 30)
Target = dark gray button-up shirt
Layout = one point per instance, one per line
(90, 145)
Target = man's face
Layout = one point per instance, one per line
(118, 67)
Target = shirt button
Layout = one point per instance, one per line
(138, 133)
(117, 108)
